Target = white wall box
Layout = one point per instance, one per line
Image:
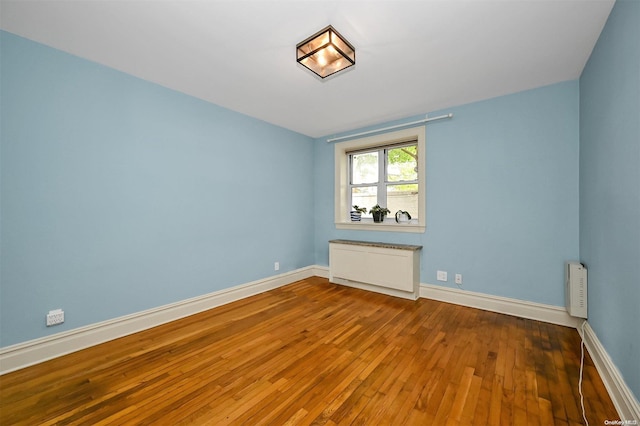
(576, 289)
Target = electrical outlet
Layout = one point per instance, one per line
(276, 266)
(458, 278)
(441, 275)
(55, 317)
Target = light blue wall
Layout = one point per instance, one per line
(119, 195)
(502, 195)
(610, 187)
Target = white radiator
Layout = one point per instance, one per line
(392, 269)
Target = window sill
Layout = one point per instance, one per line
(386, 226)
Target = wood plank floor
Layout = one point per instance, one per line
(317, 353)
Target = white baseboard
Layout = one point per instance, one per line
(39, 350)
(504, 305)
(42, 349)
(321, 271)
(621, 395)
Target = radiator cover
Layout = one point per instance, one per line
(392, 269)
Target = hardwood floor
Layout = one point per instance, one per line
(317, 353)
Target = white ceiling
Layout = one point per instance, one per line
(412, 57)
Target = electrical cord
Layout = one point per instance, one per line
(584, 416)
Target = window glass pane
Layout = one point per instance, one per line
(364, 168)
(403, 197)
(364, 196)
(402, 164)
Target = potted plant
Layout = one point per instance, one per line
(356, 213)
(379, 213)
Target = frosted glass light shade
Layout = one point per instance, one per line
(326, 53)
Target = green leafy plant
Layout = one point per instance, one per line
(359, 209)
(380, 210)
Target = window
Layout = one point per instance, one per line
(387, 176)
(385, 169)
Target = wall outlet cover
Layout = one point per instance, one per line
(55, 317)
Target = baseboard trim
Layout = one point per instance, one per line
(504, 305)
(35, 351)
(621, 395)
(623, 399)
(321, 271)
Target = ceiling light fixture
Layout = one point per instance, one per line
(326, 53)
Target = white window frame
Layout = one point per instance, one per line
(341, 204)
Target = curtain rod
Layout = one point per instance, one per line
(424, 120)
